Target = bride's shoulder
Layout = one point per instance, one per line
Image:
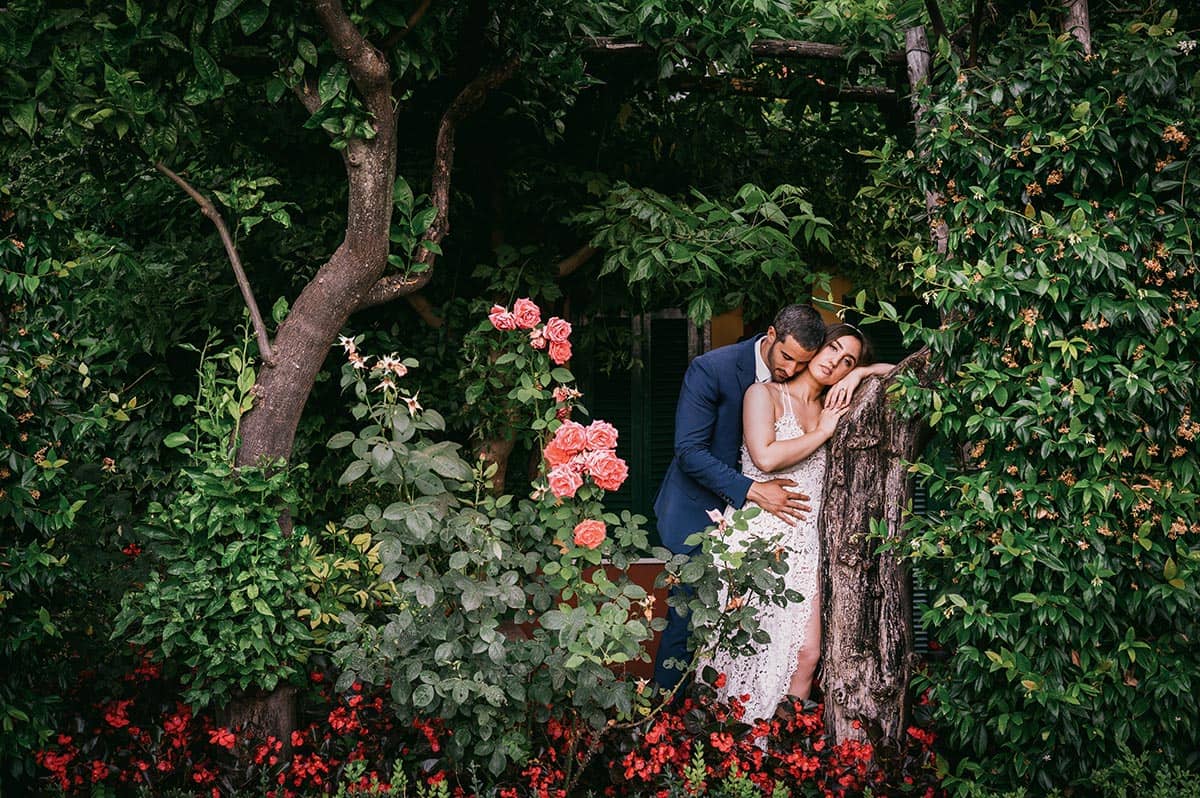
(758, 390)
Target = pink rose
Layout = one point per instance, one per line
(579, 463)
(564, 481)
(501, 319)
(527, 313)
(558, 330)
(590, 533)
(601, 435)
(608, 471)
(560, 351)
(562, 393)
(571, 437)
(537, 338)
(555, 454)
(562, 413)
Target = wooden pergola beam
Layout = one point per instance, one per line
(782, 49)
(879, 95)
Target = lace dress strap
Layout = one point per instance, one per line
(787, 401)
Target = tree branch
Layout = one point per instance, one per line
(394, 286)
(936, 19)
(569, 264)
(210, 210)
(976, 24)
(307, 94)
(467, 102)
(367, 66)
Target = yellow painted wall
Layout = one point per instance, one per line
(727, 328)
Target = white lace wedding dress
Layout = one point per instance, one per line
(765, 675)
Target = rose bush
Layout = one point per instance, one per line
(509, 610)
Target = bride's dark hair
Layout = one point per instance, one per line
(836, 331)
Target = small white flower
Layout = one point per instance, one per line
(347, 344)
(1187, 46)
(413, 405)
(386, 384)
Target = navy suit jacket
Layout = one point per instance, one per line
(704, 473)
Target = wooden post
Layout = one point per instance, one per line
(1077, 24)
(867, 644)
(918, 58)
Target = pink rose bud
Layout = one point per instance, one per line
(537, 338)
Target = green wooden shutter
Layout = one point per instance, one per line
(640, 402)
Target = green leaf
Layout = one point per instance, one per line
(175, 440)
(224, 8)
(353, 472)
(206, 67)
(252, 18)
(307, 51)
(341, 440)
(25, 115)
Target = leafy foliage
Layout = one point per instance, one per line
(220, 599)
(1064, 555)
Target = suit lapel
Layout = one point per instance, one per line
(746, 364)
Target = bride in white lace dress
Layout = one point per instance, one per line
(785, 429)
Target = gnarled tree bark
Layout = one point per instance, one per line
(867, 645)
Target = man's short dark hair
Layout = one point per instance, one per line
(802, 323)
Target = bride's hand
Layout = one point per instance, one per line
(839, 396)
(830, 416)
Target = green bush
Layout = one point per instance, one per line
(1066, 554)
(226, 584)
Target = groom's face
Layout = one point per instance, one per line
(785, 357)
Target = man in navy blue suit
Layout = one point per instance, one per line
(705, 472)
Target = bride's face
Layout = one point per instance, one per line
(835, 360)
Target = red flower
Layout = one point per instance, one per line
(222, 737)
(99, 771)
(116, 714)
(132, 550)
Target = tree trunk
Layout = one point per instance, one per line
(867, 647)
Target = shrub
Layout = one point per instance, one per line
(1064, 548)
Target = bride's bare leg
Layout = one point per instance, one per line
(806, 663)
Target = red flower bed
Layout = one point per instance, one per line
(143, 738)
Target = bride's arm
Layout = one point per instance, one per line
(758, 427)
(839, 396)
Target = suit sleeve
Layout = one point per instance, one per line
(695, 422)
